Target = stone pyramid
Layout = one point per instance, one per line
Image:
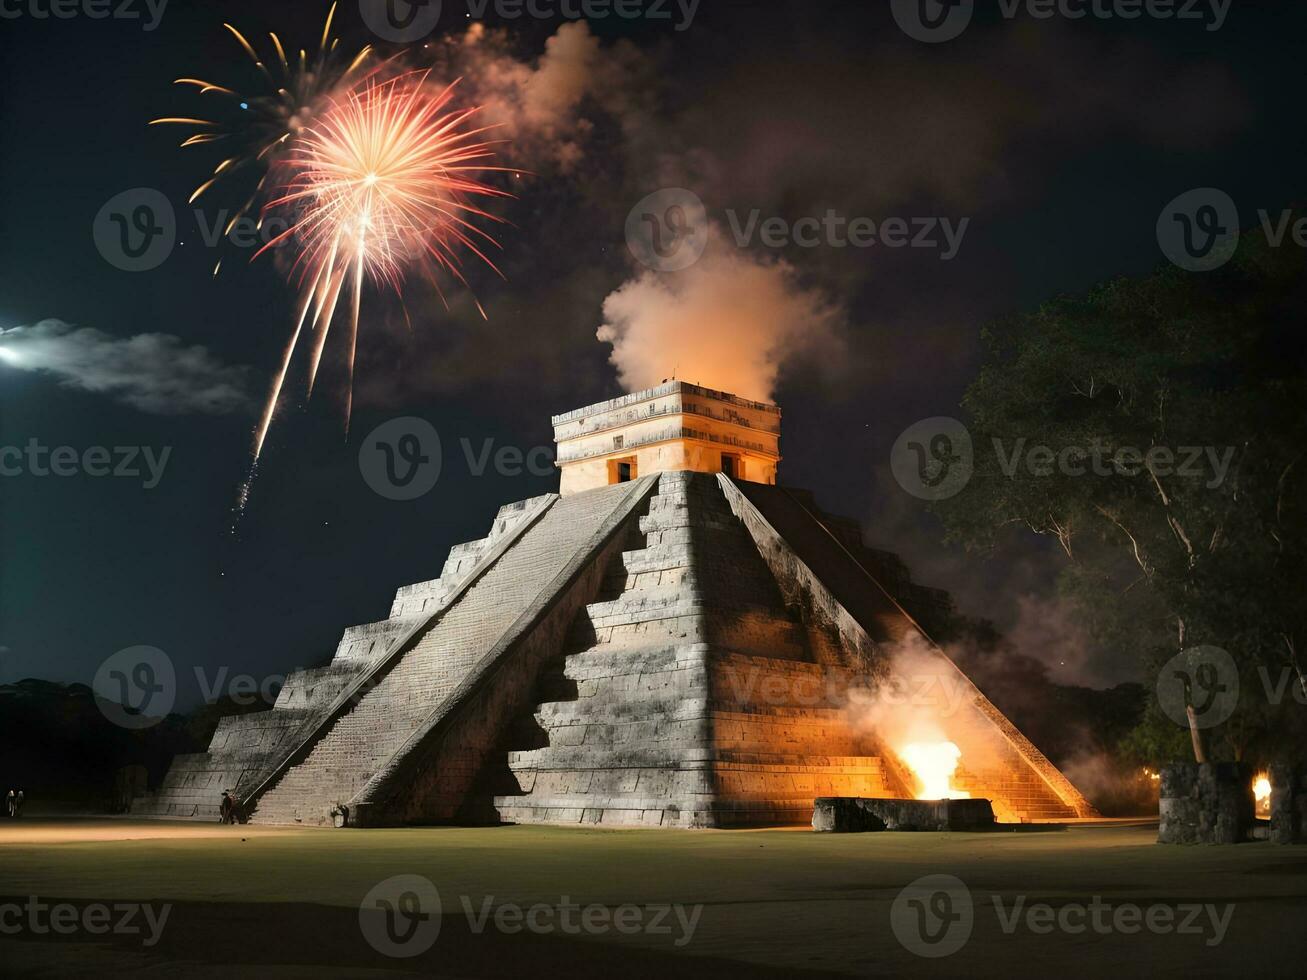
(677, 649)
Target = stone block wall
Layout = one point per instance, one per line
(850, 816)
(818, 569)
(1207, 804)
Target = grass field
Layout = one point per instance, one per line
(249, 901)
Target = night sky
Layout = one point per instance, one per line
(1060, 140)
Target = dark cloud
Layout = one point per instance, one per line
(877, 132)
(154, 372)
(813, 124)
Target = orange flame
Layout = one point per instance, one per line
(934, 764)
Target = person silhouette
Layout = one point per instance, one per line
(226, 808)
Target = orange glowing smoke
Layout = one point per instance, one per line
(934, 764)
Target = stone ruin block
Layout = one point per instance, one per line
(1288, 803)
(851, 815)
(1205, 804)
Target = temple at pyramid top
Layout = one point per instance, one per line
(676, 426)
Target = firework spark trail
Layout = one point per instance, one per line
(378, 186)
(261, 124)
(373, 171)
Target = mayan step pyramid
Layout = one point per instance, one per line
(671, 641)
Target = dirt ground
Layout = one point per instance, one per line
(204, 900)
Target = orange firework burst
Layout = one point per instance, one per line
(255, 127)
(379, 185)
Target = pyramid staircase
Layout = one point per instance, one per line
(379, 719)
(688, 695)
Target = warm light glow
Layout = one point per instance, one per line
(934, 763)
(1262, 793)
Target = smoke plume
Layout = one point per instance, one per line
(727, 322)
(535, 106)
(154, 372)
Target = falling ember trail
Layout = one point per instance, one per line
(253, 128)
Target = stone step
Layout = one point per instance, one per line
(316, 686)
(419, 599)
(558, 713)
(364, 739)
(655, 812)
(368, 642)
(718, 780)
(685, 757)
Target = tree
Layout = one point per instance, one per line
(1156, 428)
